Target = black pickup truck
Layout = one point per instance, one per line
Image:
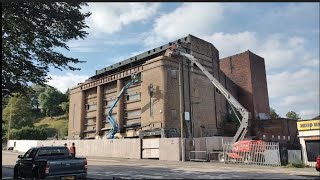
(48, 162)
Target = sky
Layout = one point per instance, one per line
(286, 35)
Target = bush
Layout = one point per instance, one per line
(296, 164)
(30, 133)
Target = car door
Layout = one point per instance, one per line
(27, 163)
(22, 164)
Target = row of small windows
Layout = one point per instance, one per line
(279, 137)
(108, 103)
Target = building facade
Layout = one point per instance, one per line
(152, 107)
(309, 135)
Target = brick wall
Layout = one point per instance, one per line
(247, 71)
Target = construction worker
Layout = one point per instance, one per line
(73, 150)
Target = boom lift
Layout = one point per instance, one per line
(177, 50)
(114, 129)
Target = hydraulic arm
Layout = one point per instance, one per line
(114, 129)
(177, 50)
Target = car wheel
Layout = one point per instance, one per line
(16, 173)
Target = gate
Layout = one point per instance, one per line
(150, 148)
(251, 152)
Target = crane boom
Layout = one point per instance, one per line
(114, 125)
(176, 50)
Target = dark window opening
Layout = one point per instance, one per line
(313, 150)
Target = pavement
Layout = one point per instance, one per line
(121, 168)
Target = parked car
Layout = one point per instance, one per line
(48, 162)
(318, 163)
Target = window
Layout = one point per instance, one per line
(278, 137)
(264, 136)
(26, 155)
(289, 138)
(133, 114)
(284, 137)
(272, 136)
(173, 115)
(32, 153)
(91, 106)
(110, 102)
(132, 97)
(312, 148)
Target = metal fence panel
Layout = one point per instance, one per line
(294, 156)
(251, 152)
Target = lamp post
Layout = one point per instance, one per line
(181, 114)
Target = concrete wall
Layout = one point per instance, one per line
(122, 148)
(22, 145)
(169, 149)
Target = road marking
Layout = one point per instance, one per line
(104, 160)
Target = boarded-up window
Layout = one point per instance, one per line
(91, 106)
(133, 97)
(110, 88)
(174, 116)
(113, 116)
(133, 114)
(110, 102)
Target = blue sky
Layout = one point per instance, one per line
(286, 35)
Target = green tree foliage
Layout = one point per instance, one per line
(29, 133)
(65, 107)
(5, 100)
(293, 115)
(20, 110)
(36, 91)
(273, 114)
(50, 100)
(31, 35)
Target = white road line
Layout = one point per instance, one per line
(104, 160)
(6, 178)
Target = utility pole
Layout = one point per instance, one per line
(181, 114)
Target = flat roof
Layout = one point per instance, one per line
(138, 59)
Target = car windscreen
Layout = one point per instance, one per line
(54, 152)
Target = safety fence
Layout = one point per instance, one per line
(251, 152)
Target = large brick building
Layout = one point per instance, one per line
(141, 113)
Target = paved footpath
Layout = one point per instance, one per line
(109, 168)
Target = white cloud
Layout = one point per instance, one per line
(291, 83)
(190, 18)
(63, 82)
(111, 17)
(308, 114)
(229, 44)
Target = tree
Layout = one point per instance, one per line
(273, 114)
(293, 115)
(50, 100)
(32, 33)
(18, 112)
(36, 91)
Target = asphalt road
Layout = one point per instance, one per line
(112, 168)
